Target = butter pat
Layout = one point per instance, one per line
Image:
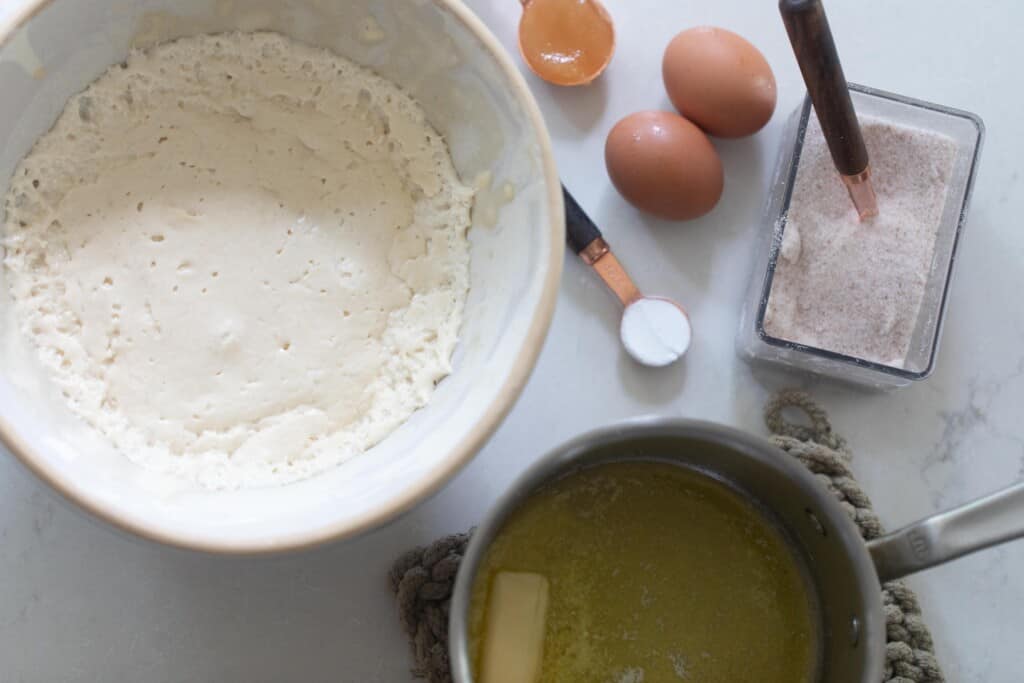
(514, 641)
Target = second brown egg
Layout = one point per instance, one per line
(718, 80)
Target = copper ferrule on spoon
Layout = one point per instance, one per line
(862, 193)
(598, 255)
(593, 252)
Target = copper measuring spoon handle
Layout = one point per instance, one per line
(585, 239)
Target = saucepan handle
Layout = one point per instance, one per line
(980, 524)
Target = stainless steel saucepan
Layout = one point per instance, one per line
(845, 571)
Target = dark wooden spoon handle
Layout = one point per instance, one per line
(816, 53)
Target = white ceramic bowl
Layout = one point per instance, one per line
(441, 53)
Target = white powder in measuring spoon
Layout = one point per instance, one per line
(655, 331)
(851, 287)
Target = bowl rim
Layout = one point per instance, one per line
(464, 450)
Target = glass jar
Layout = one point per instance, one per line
(754, 343)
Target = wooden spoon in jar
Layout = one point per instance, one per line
(818, 58)
(566, 42)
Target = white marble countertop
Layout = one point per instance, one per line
(79, 602)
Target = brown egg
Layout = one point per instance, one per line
(719, 81)
(664, 165)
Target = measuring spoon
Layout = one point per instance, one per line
(655, 331)
(566, 42)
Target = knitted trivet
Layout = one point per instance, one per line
(422, 579)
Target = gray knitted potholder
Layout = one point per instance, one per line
(422, 578)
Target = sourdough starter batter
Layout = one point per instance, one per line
(243, 259)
